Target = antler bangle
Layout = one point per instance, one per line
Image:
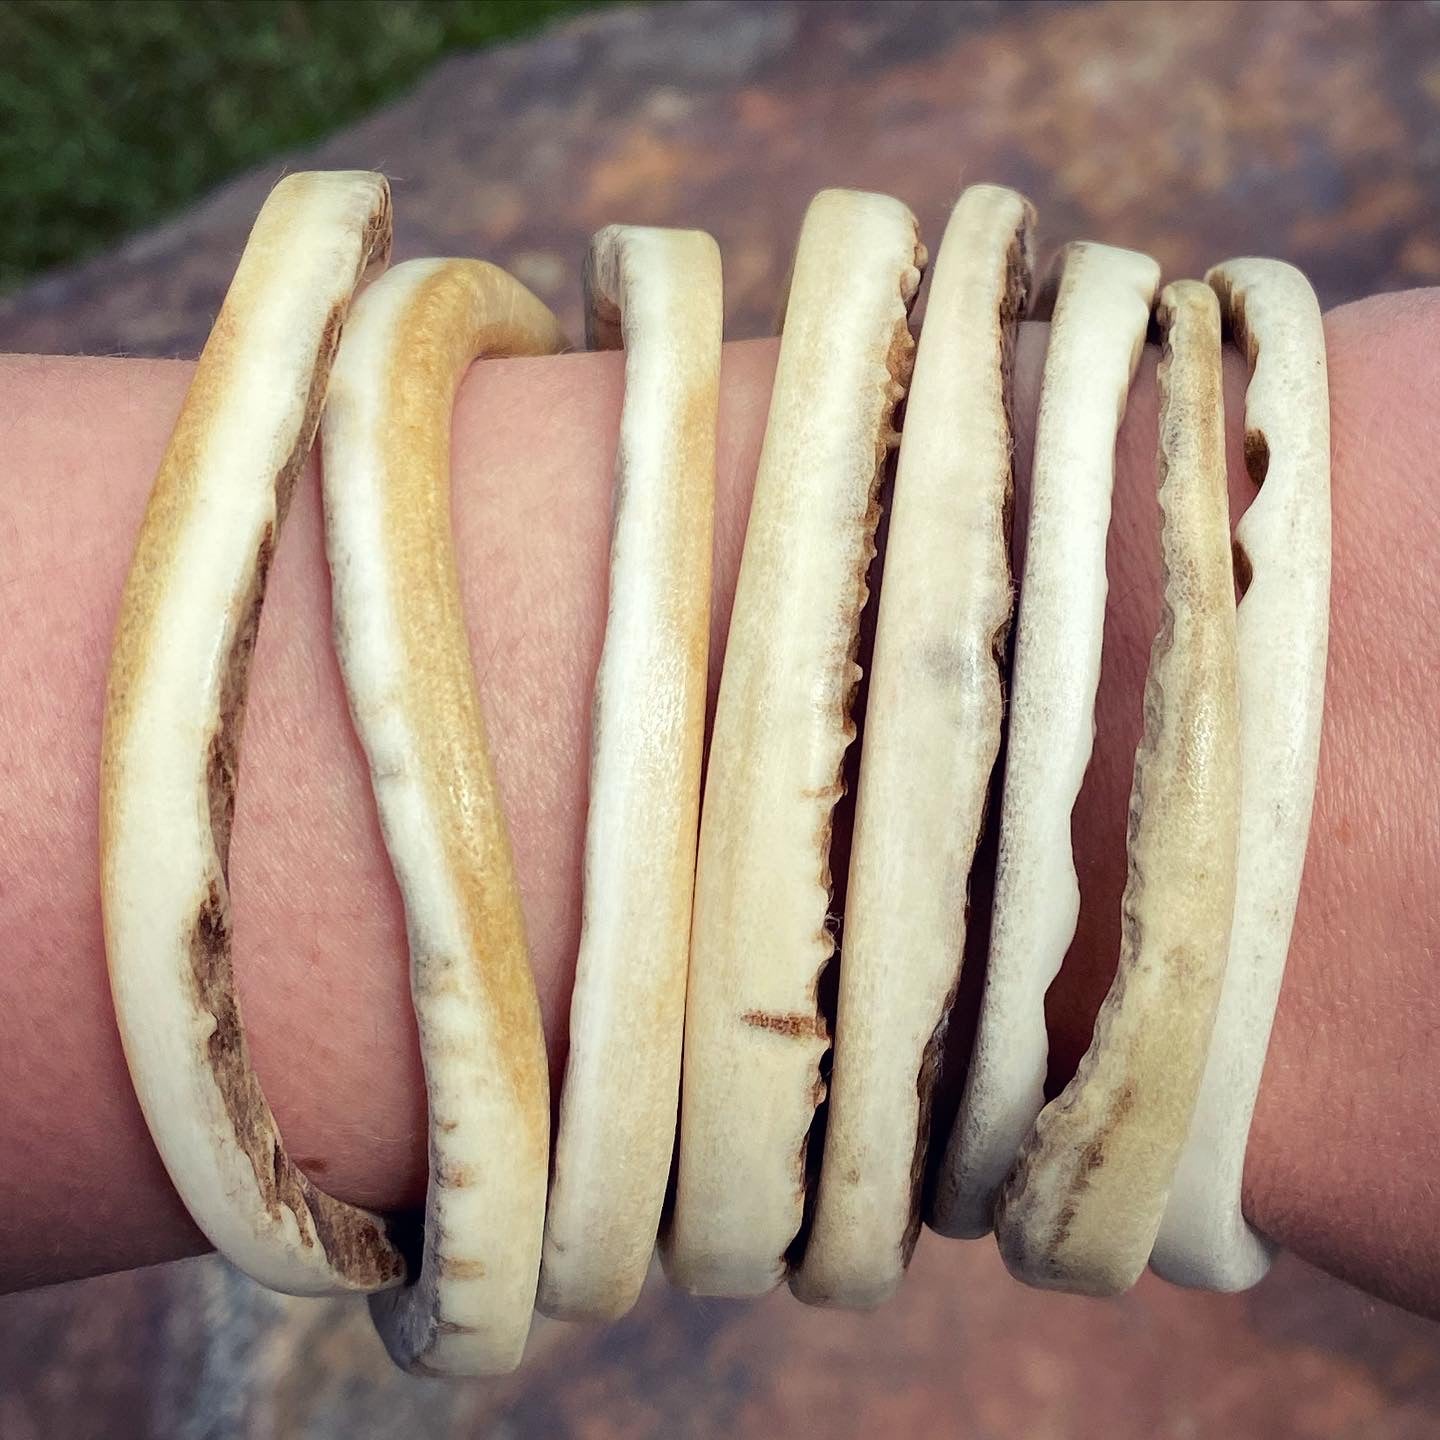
(401, 638)
(1101, 300)
(173, 714)
(659, 293)
(1082, 1207)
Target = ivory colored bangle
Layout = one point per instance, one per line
(174, 707)
(659, 293)
(932, 731)
(1097, 332)
(753, 1034)
(1282, 550)
(1081, 1210)
(401, 638)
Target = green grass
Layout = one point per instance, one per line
(116, 113)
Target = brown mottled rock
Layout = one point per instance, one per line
(1189, 131)
(1192, 132)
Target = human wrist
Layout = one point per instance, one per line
(321, 957)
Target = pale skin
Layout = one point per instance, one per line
(1342, 1165)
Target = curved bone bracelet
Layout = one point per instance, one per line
(173, 715)
(753, 1034)
(400, 634)
(659, 291)
(1102, 301)
(1081, 1209)
(932, 731)
(1282, 550)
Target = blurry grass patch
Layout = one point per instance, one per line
(115, 113)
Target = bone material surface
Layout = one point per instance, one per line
(1097, 331)
(754, 1036)
(401, 638)
(1081, 1210)
(657, 292)
(932, 732)
(1282, 548)
(174, 709)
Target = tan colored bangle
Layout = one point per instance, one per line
(401, 638)
(657, 292)
(761, 937)
(174, 707)
(1082, 1208)
(932, 731)
(1282, 554)
(1102, 299)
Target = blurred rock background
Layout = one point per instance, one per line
(1193, 130)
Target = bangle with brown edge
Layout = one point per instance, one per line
(754, 1036)
(1081, 1210)
(174, 707)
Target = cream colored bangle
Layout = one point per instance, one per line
(1101, 310)
(932, 731)
(174, 707)
(761, 936)
(1282, 550)
(401, 638)
(657, 292)
(1083, 1205)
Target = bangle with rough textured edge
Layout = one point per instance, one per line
(401, 639)
(932, 732)
(657, 293)
(175, 702)
(1282, 560)
(1081, 1209)
(1101, 300)
(754, 1036)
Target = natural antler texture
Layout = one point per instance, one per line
(174, 710)
(657, 292)
(1282, 558)
(1082, 1207)
(754, 1036)
(400, 633)
(932, 731)
(1097, 331)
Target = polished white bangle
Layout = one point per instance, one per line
(1082, 1207)
(657, 292)
(1102, 299)
(400, 635)
(1282, 559)
(932, 732)
(754, 1036)
(174, 707)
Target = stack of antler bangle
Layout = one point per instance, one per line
(1138, 1159)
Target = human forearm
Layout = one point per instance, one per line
(320, 940)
